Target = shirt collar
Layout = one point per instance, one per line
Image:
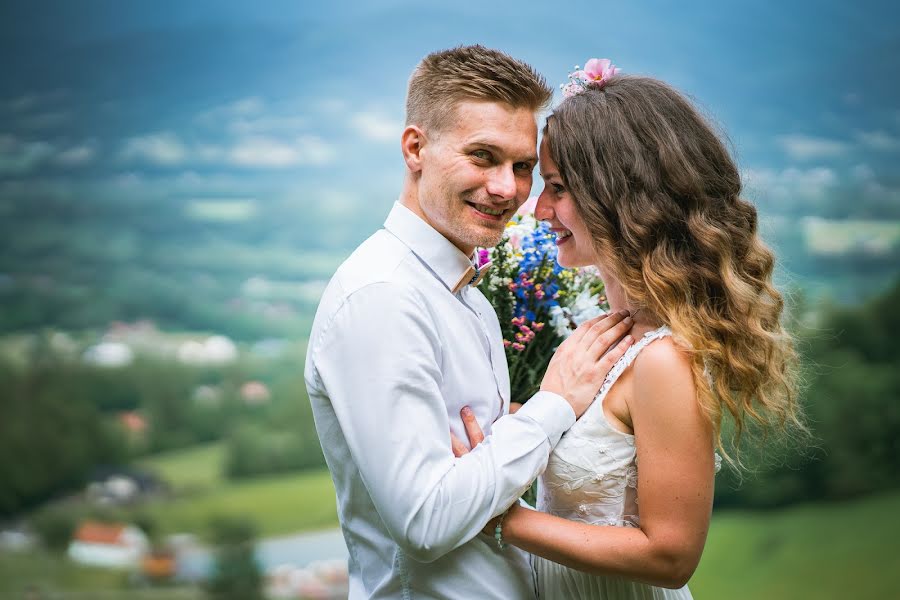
(446, 260)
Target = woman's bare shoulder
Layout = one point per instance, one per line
(663, 367)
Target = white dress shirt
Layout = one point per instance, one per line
(393, 356)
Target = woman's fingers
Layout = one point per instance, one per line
(575, 371)
(598, 336)
(604, 341)
(579, 331)
(610, 358)
(609, 318)
(604, 322)
(457, 446)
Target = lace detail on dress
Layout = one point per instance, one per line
(592, 473)
(628, 358)
(592, 477)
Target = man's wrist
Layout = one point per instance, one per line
(551, 412)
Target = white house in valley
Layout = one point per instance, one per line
(108, 545)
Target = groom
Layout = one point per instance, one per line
(402, 341)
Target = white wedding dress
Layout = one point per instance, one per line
(592, 477)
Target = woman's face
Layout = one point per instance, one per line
(556, 205)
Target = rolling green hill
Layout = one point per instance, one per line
(839, 550)
(811, 551)
(832, 550)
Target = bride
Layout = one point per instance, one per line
(639, 185)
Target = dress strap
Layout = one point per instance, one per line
(628, 358)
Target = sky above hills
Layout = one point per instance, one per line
(251, 105)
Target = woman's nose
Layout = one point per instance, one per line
(542, 210)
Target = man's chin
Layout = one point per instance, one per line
(480, 236)
(489, 240)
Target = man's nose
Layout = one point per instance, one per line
(502, 183)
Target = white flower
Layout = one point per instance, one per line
(585, 307)
(495, 282)
(523, 228)
(559, 320)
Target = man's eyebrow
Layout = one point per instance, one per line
(532, 158)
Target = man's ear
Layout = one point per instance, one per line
(412, 143)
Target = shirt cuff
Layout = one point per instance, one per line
(554, 415)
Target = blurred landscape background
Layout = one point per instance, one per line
(178, 181)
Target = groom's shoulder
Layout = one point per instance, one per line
(375, 276)
(379, 259)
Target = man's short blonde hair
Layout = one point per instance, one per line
(445, 78)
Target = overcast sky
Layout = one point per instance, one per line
(260, 101)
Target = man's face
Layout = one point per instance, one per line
(476, 172)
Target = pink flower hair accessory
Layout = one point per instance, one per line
(596, 72)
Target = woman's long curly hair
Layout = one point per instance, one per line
(661, 196)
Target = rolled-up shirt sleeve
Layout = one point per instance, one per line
(379, 362)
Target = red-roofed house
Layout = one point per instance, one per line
(255, 392)
(108, 544)
(134, 423)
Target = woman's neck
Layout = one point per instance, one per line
(644, 320)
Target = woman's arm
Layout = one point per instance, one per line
(675, 486)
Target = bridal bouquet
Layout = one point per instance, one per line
(538, 302)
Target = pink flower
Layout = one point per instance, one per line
(528, 207)
(484, 256)
(517, 346)
(506, 343)
(537, 326)
(595, 74)
(599, 69)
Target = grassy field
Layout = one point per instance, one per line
(834, 550)
(840, 550)
(837, 550)
(54, 577)
(846, 550)
(278, 504)
(197, 469)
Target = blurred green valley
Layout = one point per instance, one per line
(179, 181)
(231, 267)
(165, 343)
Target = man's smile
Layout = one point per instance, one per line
(488, 211)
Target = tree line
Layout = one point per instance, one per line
(851, 388)
(59, 418)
